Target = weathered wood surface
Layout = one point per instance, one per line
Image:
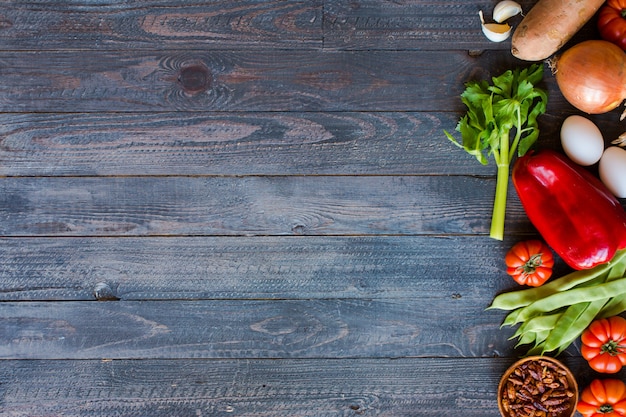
(201, 80)
(248, 143)
(226, 268)
(249, 208)
(426, 327)
(254, 387)
(242, 25)
(293, 205)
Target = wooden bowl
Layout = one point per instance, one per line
(538, 382)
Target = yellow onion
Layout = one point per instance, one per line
(592, 76)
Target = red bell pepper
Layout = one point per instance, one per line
(572, 210)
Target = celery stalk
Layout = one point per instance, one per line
(512, 103)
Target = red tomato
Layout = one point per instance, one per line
(612, 22)
(604, 344)
(603, 398)
(529, 262)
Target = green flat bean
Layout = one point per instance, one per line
(526, 339)
(538, 323)
(618, 270)
(573, 296)
(521, 298)
(512, 318)
(564, 327)
(539, 339)
(578, 327)
(615, 306)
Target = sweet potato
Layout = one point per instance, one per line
(549, 25)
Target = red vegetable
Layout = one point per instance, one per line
(603, 398)
(572, 210)
(612, 22)
(529, 262)
(604, 344)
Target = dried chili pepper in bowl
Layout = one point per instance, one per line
(537, 386)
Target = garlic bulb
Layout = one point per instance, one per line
(505, 10)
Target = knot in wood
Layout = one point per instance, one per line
(103, 292)
(195, 79)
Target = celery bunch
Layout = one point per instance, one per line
(502, 119)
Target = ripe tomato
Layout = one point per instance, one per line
(604, 344)
(603, 398)
(529, 262)
(612, 22)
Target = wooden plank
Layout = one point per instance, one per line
(417, 24)
(247, 24)
(228, 268)
(249, 388)
(293, 143)
(200, 80)
(407, 25)
(282, 205)
(325, 328)
(412, 387)
(161, 24)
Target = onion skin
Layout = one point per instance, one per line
(592, 76)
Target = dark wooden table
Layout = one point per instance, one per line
(249, 208)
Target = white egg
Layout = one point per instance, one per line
(582, 141)
(612, 170)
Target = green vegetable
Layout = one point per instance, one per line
(512, 103)
(554, 315)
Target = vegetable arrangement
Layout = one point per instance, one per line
(512, 103)
(576, 213)
(552, 316)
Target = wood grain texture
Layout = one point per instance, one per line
(416, 24)
(228, 268)
(161, 24)
(293, 143)
(414, 387)
(408, 24)
(425, 327)
(283, 205)
(249, 387)
(229, 144)
(246, 24)
(249, 208)
(92, 81)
